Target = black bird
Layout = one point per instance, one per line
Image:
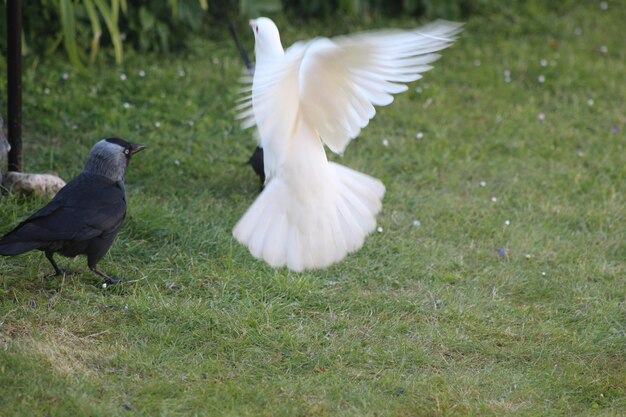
(85, 215)
(256, 161)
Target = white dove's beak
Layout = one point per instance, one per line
(252, 23)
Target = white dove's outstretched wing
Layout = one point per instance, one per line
(341, 80)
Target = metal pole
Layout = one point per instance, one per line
(14, 80)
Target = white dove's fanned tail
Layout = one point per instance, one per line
(286, 226)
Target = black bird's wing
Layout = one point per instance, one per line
(87, 207)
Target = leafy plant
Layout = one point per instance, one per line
(160, 26)
(81, 26)
(95, 10)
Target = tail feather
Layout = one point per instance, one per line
(286, 227)
(17, 248)
(276, 240)
(23, 238)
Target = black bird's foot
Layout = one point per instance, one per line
(112, 281)
(58, 273)
(108, 280)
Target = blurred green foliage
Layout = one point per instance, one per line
(164, 26)
(429, 9)
(78, 25)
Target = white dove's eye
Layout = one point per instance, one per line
(256, 29)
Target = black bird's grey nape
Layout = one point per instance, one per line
(110, 157)
(84, 216)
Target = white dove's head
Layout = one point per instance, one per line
(266, 39)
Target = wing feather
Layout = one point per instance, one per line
(342, 79)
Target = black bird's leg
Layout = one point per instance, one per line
(109, 280)
(57, 271)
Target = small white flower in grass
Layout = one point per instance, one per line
(604, 5)
(190, 123)
(142, 73)
(379, 229)
(123, 77)
(528, 256)
(104, 286)
(176, 162)
(126, 105)
(46, 91)
(494, 199)
(482, 184)
(543, 273)
(507, 222)
(181, 72)
(604, 49)
(65, 76)
(580, 154)
(543, 63)
(74, 127)
(385, 142)
(477, 62)
(418, 90)
(215, 60)
(590, 102)
(157, 124)
(419, 136)
(507, 73)
(541, 117)
(417, 223)
(541, 79)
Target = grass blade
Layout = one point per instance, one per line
(68, 23)
(95, 26)
(114, 31)
(115, 9)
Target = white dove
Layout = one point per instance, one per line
(313, 212)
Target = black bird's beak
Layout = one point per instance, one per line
(136, 148)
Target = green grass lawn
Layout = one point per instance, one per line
(495, 288)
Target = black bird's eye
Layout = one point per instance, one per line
(126, 151)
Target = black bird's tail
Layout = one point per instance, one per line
(11, 245)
